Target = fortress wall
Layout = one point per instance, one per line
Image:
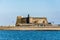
(31, 20)
(37, 20)
(23, 20)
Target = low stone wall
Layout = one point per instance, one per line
(29, 28)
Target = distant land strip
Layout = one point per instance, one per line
(29, 28)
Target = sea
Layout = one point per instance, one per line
(29, 35)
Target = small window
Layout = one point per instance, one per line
(35, 21)
(43, 21)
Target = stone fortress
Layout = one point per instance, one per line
(31, 23)
(42, 21)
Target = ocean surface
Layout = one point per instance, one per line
(29, 35)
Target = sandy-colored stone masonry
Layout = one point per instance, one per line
(32, 20)
(38, 20)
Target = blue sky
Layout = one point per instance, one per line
(10, 9)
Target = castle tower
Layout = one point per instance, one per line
(18, 20)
